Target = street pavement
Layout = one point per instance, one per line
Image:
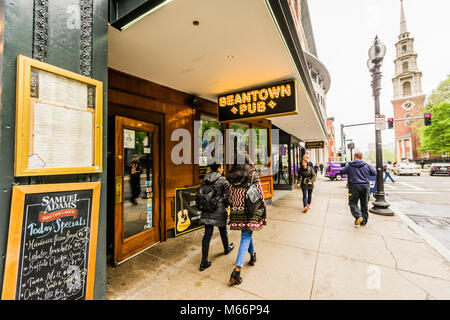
(301, 256)
(425, 200)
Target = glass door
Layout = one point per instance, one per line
(137, 187)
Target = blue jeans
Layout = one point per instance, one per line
(307, 196)
(388, 175)
(245, 246)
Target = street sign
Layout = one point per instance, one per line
(380, 122)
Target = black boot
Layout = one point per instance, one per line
(204, 265)
(235, 277)
(229, 248)
(252, 259)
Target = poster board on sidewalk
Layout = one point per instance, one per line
(52, 242)
(58, 121)
(187, 215)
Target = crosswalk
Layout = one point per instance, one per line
(403, 187)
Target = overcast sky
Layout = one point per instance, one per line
(344, 31)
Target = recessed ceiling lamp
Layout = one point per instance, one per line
(230, 57)
(195, 22)
(137, 14)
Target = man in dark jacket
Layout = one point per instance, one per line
(219, 216)
(358, 173)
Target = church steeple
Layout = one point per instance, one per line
(407, 79)
(403, 27)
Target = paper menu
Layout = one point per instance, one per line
(63, 137)
(62, 91)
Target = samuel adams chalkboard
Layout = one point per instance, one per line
(52, 242)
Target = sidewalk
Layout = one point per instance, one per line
(317, 255)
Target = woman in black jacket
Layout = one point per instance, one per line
(219, 216)
(306, 178)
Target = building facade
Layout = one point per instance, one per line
(408, 98)
(162, 69)
(318, 72)
(331, 140)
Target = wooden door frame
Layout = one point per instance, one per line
(127, 248)
(138, 114)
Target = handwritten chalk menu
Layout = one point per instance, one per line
(59, 121)
(55, 242)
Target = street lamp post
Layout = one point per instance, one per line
(376, 55)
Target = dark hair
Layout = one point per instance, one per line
(240, 173)
(214, 166)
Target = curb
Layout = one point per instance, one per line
(435, 244)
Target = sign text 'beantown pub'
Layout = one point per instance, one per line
(271, 100)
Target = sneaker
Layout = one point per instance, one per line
(358, 221)
(205, 265)
(305, 209)
(309, 206)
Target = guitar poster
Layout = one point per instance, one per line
(187, 216)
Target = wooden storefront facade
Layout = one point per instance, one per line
(168, 109)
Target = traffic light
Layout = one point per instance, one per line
(427, 118)
(390, 123)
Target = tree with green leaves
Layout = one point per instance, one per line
(441, 94)
(435, 139)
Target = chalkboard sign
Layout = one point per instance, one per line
(187, 215)
(52, 242)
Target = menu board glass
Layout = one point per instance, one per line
(61, 112)
(52, 242)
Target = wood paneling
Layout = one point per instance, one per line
(140, 99)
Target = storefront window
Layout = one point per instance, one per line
(239, 139)
(260, 150)
(282, 175)
(210, 144)
(291, 150)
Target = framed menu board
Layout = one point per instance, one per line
(52, 242)
(58, 121)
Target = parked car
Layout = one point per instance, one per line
(407, 168)
(333, 170)
(440, 168)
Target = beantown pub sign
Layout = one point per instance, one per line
(272, 100)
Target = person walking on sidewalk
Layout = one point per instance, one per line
(241, 178)
(387, 172)
(306, 177)
(321, 168)
(305, 157)
(358, 173)
(219, 188)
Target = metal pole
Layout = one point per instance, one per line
(342, 142)
(380, 205)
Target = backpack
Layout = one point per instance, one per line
(204, 198)
(253, 200)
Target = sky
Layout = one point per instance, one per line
(344, 31)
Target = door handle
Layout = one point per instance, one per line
(118, 189)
